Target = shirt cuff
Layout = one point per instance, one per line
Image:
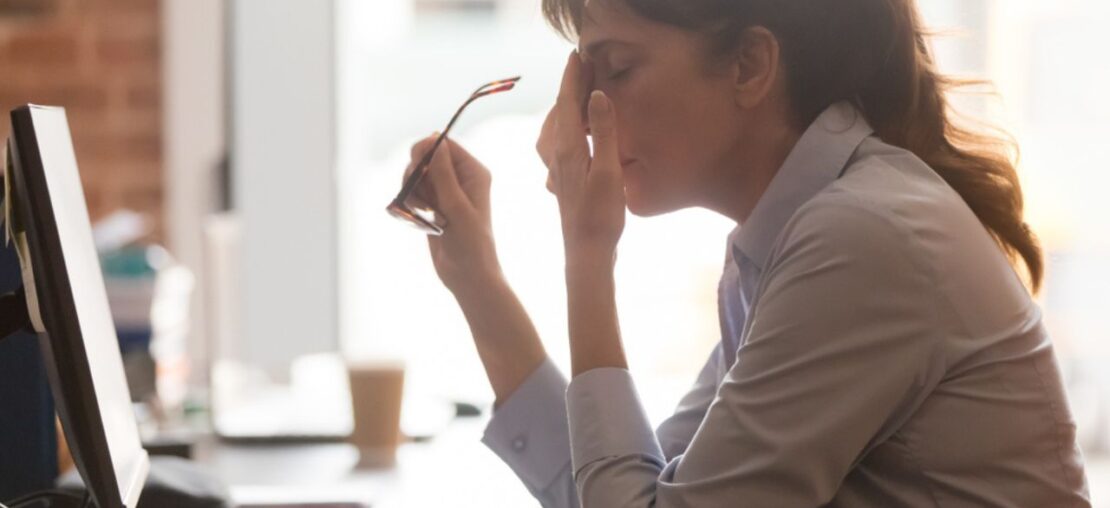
(529, 429)
(607, 419)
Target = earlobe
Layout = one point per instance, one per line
(755, 67)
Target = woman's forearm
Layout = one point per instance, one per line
(507, 341)
(595, 336)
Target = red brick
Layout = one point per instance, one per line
(115, 8)
(38, 47)
(118, 149)
(68, 95)
(28, 8)
(100, 59)
(144, 97)
(125, 23)
(129, 50)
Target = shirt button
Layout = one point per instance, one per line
(518, 443)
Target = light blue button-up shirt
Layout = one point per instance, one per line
(877, 349)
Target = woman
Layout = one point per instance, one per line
(879, 347)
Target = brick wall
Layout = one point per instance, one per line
(101, 59)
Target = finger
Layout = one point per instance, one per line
(418, 198)
(603, 128)
(544, 145)
(570, 129)
(587, 80)
(465, 163)
(423, 191)
(470, 169)
(420, 148)
(418, 203)
(416, 156)
(410, 168)
(444, 182)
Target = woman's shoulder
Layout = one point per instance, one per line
(924, 213)
(890, 204)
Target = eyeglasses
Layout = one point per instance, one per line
(425, 220)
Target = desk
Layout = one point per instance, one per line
(452, 469)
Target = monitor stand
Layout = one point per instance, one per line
(13, 314)
(51, 499)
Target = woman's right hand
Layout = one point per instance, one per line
(457, 187)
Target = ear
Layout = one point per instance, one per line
(755, 66)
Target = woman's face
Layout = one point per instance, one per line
(676, 123)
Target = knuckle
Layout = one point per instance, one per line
(421, 147)
(446, 202)
(484, 174)
(545, 155)
(564, 153)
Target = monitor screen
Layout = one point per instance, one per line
(75, 324)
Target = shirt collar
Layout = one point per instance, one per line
(816, 160)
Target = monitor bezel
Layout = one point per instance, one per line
(63, 343)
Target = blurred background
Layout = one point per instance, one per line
(238, 156)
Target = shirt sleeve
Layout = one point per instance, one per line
(529, 430)
(835, 359)
(529, 433)
(677, 430)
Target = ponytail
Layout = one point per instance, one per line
(874, 53)
(906, 104)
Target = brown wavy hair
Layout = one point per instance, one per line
(876, 54)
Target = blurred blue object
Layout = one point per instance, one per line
(129, 277)
(28, 443)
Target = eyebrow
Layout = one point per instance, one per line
(594, 47)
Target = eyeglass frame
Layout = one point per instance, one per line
(398, 208)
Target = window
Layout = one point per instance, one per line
(402, 86)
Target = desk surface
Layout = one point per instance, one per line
(454, 467)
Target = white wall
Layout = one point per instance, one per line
(194, 140)
(283, 159)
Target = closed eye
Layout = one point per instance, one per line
(619, 74)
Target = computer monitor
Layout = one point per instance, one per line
(78, 336)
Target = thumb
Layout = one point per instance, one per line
(603, 129)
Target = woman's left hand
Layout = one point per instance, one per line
(590, 190)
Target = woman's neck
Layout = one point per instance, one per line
(745, 175)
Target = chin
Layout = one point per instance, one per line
(642, 206)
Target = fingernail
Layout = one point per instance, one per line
(598, 102)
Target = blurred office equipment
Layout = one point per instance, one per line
(64, 301)
(29, 460)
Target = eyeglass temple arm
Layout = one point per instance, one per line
(512, 80)
(419, 172)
